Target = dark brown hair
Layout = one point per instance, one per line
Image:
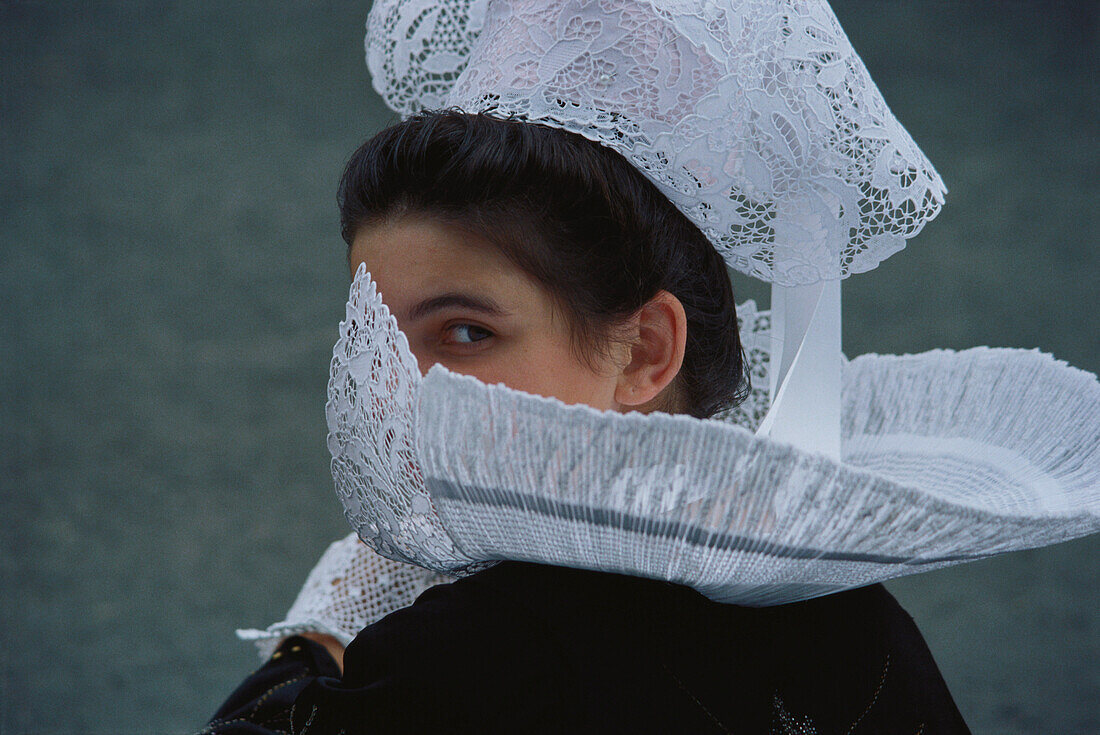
(574, 215)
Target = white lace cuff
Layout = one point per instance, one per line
(349, 588)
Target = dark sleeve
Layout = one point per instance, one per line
(262, 704)
(461, 659)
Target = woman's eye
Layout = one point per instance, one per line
(468, 333)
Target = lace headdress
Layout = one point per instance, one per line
(757, 119)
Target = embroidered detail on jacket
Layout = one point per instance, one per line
(308, 722)
(695, 699)
(878, 690)
(784, 723)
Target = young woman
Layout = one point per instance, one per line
(523, 254)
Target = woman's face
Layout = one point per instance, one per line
(462, 304)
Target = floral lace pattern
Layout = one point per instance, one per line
(756, 118)
(371, 418)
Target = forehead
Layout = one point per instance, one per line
(418, 257)
(419, 243)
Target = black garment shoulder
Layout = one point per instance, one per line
(540, 649)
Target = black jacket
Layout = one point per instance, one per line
(525, 648)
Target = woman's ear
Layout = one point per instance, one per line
(657, 335)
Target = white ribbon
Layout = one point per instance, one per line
(805, 372)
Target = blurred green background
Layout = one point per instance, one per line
(172, 276)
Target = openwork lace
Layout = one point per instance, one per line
(349, 588)
(756, 118)
(371, 414)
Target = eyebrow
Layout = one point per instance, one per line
(482, 304)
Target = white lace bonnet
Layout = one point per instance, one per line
(759, 121)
